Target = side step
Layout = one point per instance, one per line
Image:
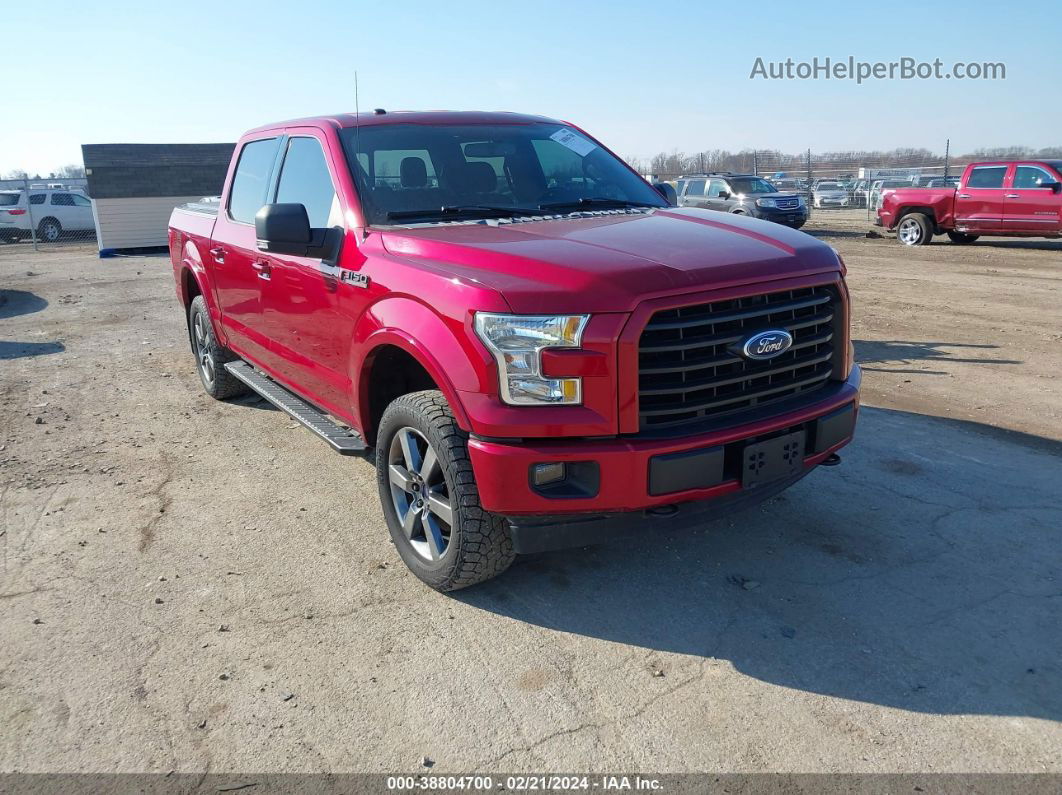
(343, 440)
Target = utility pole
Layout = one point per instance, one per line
(947, 154)
(29, 212)
(808, 200)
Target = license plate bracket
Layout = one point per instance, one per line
(772, 459)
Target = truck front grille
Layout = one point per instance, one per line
(690, 369)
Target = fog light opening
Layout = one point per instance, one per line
(545, 474)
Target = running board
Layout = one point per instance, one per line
(343, 440)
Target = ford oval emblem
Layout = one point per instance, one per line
(767, 344)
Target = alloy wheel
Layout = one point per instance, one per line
(201, 340)
(910, 232)
(419, 494)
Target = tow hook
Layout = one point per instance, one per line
(662, 510)
(832, 460)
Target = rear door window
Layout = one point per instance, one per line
(1031, 177)
(305, 180)
(251, 180)
(987, 177)
(62, 200)
(695, 187)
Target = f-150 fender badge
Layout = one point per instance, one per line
(354, 278)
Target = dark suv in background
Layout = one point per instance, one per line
(742, 194)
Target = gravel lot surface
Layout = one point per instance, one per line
(191, 585)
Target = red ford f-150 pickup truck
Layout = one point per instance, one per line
(1010, 198)
(541, 349)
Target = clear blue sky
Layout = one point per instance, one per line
(642, 76)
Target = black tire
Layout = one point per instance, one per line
(479, 545)
(914, 229)
(961, 238)
(217, 381)
(49, 230)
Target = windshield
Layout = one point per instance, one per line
(746, 185)
(829, 186)
(8, 199)
(415, 171)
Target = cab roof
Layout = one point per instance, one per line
(429, 117)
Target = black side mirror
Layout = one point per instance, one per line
(724, 195)
(1055, 187)
(285, 229)
(668, 192)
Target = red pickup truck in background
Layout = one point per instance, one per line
(1008, 198)
(543, 351)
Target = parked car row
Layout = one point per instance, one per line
(51, 213)
(735, 193)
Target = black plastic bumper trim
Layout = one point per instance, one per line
(533, 534)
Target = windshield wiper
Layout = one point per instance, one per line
(464, 210)
(594, 201)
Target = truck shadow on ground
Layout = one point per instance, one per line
(830, 232)
(921, 574)
(20, 302)
(20, 350)
(884, 355)
(1002, 242)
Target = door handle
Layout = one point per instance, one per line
(962, 196)
(1011, 196)
(218, 253)
(262, 268)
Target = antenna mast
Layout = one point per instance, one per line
(357, 119)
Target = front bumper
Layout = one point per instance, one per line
(629, 478)
(794, 218)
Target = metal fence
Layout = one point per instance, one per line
(45, 214)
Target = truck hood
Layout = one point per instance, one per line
(612, 262)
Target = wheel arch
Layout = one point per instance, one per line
(402, 333)
(925, 210)
(48, 218)
(190, 287)
(193, 280)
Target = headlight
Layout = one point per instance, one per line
(766, 203)
(517, 342)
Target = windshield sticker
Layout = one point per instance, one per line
(573, 141)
